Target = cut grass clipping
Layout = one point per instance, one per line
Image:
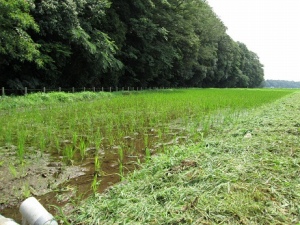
(246, 172)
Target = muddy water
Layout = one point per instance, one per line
(77, 186)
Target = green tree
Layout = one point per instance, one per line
(73, 47)
(226, 56)
(181, 20)
(210, 30)
(77, 51)
(251, 67)
(124, 43)
(145, 50)
(167, 42)
(15, 42)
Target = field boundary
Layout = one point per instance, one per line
(26, 90)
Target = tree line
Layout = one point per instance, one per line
(281, 84)
(67, 43)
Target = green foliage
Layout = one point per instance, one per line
(82, 52)
(15, 41)
(146, 43)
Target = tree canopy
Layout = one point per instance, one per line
(120, 43)
(280, 84)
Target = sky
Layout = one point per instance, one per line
(270, 28)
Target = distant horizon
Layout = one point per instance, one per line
(283, 80)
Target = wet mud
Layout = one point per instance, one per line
(59, 183)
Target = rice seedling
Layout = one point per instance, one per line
(82, 148)
(121, 158)
(60, 215)
(68, 154)
(57, 145)
(121, 171)
(97, 165)
(147, 149)
(97, 172)
(42, 143)
(147, 154)
(74, 138)
(121, 154)
(98, 142)
(95, 184)
(21, 146)
(13, 170)
(26, 191)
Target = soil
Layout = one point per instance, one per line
(37, 175)
(57, 184)
(51, 181)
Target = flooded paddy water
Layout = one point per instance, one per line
(56, 182)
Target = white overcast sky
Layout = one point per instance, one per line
(270, 28)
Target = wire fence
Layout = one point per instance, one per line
(25, 90)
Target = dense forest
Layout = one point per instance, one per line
(72, 43)
(281, 84)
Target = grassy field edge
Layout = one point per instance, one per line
(244, 172)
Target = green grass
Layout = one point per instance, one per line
(38, 99)
(242, 172)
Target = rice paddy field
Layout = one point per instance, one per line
(195, 156)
